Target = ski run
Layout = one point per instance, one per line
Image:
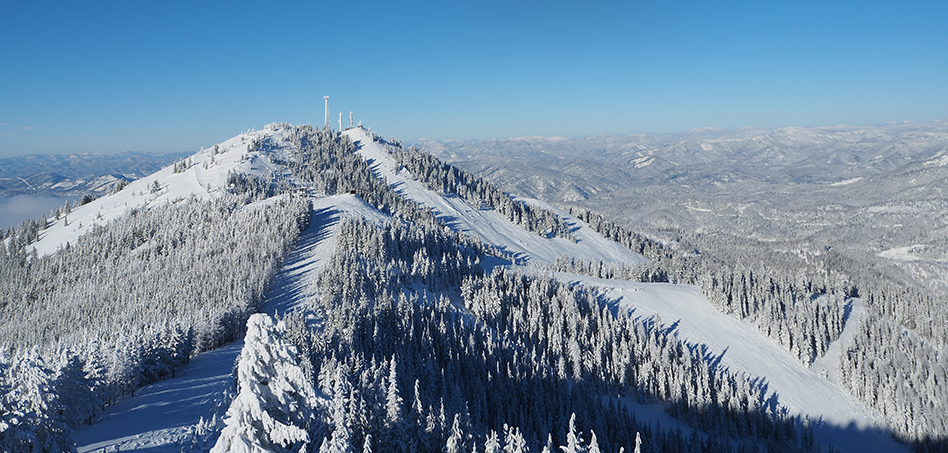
(186, 412)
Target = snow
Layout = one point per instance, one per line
(488, 225)
(847, 182)
(738, 346)
(274, 399)
(204, 179)
(938, 160)
(643, 161)
(296, 282)
(163, 416)
(826, 365)
(690, 208)
(906, 253)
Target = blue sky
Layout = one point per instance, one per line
(175, 76)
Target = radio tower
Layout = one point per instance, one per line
(350, 119)
(327, 110)
(340, 121)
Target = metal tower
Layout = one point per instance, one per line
(327, 110)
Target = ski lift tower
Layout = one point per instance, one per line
(327, 110)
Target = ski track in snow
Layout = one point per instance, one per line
(163, 416)
(738, 346)
(489, 225)
(826, 365)
(296, 282)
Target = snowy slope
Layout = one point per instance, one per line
(738, 344)
(826, 366)
(188, 399)
(488, 225)
(296, 282)
(204, 179)
(740, 347)
(169, 415)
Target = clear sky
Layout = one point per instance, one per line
(175, 76)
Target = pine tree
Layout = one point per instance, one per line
(574, 439)
(455, 443)
(593, 443)
(76, 391)
(273, 410)
(492, 444)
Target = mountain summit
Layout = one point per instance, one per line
(374, 298)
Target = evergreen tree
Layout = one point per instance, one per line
(273, 410)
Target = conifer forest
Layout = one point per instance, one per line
(421, 332)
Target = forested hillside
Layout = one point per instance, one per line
(763, 221)
(426, 330)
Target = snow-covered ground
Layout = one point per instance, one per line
(740, 347)
(165, 415)
(826, 366)
(847, 424)
(488, 225)
(907, 253)
(204, 179)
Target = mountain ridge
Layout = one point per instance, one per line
(447, 225)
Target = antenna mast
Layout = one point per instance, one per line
(327, 110)
(350, 119)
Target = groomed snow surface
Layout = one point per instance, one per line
(166, 415)
(163, 416)
(488, 225)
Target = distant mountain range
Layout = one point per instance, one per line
(873, 188)
(75, 175)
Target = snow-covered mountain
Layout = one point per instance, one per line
(406, 311)
(75, 175)
(850, 187)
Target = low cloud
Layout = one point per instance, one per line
(21, 207)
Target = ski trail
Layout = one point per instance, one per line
(162, 416)
(177, 414)
(827, 365)
(487, 224)
(738, 346)
(295, 285)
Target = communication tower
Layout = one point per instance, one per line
(327, 110)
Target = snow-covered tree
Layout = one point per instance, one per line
(30, 410)
(273, 410)
(574, 439)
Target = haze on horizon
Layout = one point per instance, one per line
(116, 76)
